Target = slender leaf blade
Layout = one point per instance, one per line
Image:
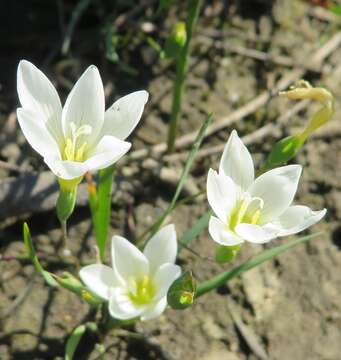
(194, 231)
(101, 212)
(266, 255)
(73, 341)
(191, 156)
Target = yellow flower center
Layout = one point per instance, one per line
(75, 148)
(247, 211)
(143, 290)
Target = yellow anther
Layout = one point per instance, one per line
(144, 291)
(72, 150)
(246, 211)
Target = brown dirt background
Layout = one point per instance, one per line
(292, 304)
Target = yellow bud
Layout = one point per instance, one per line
(304, 91)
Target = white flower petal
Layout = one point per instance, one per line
(154, 310)
(127, 259)
(36, 93)
(85, 105)
(297, 218)
(222, 194)
(220, 234)
(162, 248)
(236, 162)
(107, 152)
(255, 233)
(121, 307)
(36, 132)
(164, 278)
(99, 279)
(277, 188)
(65, 169)
(123, 116)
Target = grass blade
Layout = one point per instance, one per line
(266, 255)
(73, 341)
(195, 147)
(194, 231)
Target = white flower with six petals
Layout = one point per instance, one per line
(81, 136)
(137, 284)
(255, 210)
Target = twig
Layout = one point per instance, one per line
(260, 55)
(238, 33)
(11, 167)
(266, 130)
(19, 299)
(122, 19)
(247, 334)
(47, 260)
(316, 59)
(32, 192)
(324, 15)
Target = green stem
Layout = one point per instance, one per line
(181, 70)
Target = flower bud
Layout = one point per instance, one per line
(70, 282)
(182, 292)
(176, 41)
(284, 150)
(304, 91)
(287, 148)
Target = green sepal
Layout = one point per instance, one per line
(66, 203)
(226, 254)
(182, 292)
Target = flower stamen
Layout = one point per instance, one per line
(143, 291)
(247, 211)
(73, 152)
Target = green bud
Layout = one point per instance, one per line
(225, 254)
(176, 41)
(182, 292)
(70, 282)
(90, 297)
(284, 150)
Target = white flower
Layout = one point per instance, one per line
(255, 210)
(81, 136)
(137, 284)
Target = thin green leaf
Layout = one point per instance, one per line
(266, 255)
(34, 258)
(194, 231)
(195, 147)
(73, 341)
(102, 209)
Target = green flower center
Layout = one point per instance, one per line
(246, 211)
(75, 148)
(143, 291)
